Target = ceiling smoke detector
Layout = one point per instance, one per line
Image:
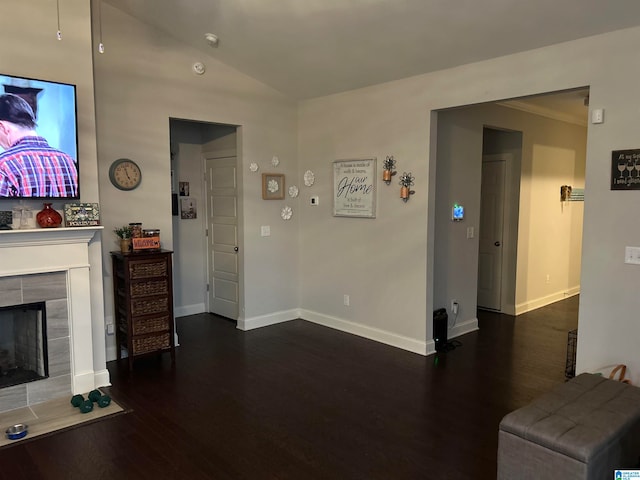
(211, 39)
(199, 68)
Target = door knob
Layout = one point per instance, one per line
(497, 244)
(235, 249)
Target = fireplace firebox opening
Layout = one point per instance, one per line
(23, 344)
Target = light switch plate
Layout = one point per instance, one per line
(265, 231)
(597, 115)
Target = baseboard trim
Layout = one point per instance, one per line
(83, 382)
(266, 320)
(188, 310)
(379, 335)
(463, 328)
(102, 378)
(548, 300)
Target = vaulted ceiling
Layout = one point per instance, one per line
(310, 48)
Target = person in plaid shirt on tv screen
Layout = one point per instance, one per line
(29, 166)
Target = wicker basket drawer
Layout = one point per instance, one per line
(147, 306)
(150, 325)
(150, 287)
(151, 343)
(147, 269)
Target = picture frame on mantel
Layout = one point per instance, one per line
(272, 186)
(354, 188)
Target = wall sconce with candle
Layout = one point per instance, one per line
(389, 169)
(406, 182)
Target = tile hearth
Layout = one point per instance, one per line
(51, 416)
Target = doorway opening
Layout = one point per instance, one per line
(204, 165)
(499, 217)
(534, 151)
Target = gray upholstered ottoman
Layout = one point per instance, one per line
(582, 429)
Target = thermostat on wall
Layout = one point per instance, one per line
(457, 212)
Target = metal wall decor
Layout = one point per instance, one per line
(406, 182)
(389, 169)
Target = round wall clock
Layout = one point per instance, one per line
(125, 174)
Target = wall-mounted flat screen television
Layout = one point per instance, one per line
(38, 139)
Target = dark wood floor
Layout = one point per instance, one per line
(301, 401)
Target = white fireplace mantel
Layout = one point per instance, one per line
(47, 236)
(42, 250)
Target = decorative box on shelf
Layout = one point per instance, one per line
(81, 214)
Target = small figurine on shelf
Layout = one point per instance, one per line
(124, 233)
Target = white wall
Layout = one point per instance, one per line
(143, 79)
(386, 262)
(29, 48)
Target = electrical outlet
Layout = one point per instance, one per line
(347, 301)
(110, 329)
(454, 307)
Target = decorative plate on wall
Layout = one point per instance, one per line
(253, 167)
(286, 213)
(309, 178)
(293, 191)
(275, 161)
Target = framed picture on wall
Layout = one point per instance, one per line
(354, 188)
(188, 208)
(272, 186)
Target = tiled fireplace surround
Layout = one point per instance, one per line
(51, 266)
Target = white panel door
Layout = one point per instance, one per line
(222, 222)
(490, 235)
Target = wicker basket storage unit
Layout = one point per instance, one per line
(142, 285)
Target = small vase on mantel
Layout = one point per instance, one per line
(48, 217)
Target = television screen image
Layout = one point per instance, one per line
(38, 139)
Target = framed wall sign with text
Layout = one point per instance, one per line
(625, 169)
(354, 188)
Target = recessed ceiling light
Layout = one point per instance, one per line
(211, 39)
